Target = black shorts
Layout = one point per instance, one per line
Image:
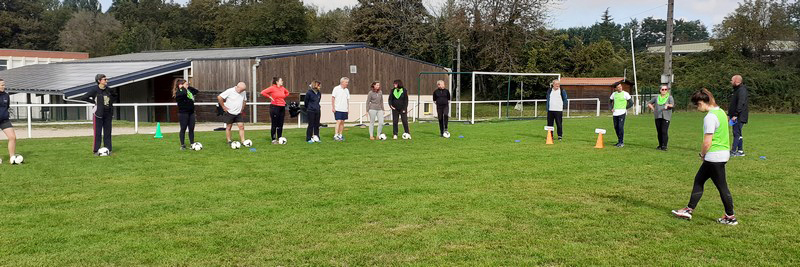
(228, 118)
(5, 124)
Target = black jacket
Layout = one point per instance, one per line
(401, 103)
(185, 105)
(312, 100)
(5, 103)
(103, 100)
(738, 104)
(441, 97)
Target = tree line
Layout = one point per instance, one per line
(511, 35)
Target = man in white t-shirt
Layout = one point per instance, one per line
(620, 102)
(556, 100)
(233, 101)
(340, 100)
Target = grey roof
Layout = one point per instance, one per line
(72, 79)
(228, 53)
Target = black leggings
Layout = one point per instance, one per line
(313, 124)
(441, 112)
(276, 114)
(662, 127)
(558, 118)
(396, 117)
(187, 120)
(715, 171)
(619, 128)
(102, 132)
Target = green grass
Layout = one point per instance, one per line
(480, 200)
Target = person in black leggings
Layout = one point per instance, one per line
(184, 95)
(312, 99)
(277, 95)
(441, 96)
(715, 154)
(398, 101)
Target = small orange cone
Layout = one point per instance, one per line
(600, 143)
(549, 138)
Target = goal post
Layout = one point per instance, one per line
(475, 74)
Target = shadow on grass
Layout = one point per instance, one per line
(625, 200)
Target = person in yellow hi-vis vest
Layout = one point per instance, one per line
(715, 153)
(620, 103)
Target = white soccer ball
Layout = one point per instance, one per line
(103, 152)
(406, 136)
(315, 138)
(282, 140)
(236, 145)
(197, 146)
(247, 143)
(382, 137)
(16, 159)
(446, 134)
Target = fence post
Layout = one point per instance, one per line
(136, 118)
(598, 107)
(499, 109)
(535, 109)
(30, 127)
(299, 120)
(567, 108)
(360, 113)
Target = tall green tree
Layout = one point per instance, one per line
(257, 23)
(754, 26)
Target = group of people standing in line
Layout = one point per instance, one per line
(233, 101)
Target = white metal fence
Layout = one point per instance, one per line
(362, 112)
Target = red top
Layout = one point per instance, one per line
(278, 94)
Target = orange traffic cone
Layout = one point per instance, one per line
(549, 138)
(599, 141)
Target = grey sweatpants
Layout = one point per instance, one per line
(375, 115)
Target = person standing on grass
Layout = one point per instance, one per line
(5, 120)
(313, 111)
(277, 95)
(739, 113)
(340, 99)
(103, 98)
(398, 101)
(441, 96)
(233, 101)
(714, 154)
(184, 95)
(375, 109)
(620, 103)
(661, 106)
(556, 100)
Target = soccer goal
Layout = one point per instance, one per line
(498, 104)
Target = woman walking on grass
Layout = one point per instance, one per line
(714, 154)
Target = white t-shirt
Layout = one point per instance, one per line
(556, 103)
(710, 125)
(620, 112)
(342, 97)
(233, 100)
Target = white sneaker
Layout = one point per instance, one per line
(684, 213)
(394, 137)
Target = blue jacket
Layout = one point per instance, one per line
(312, 100)
(563, 98)
(5, 103)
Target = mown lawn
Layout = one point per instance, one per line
(479, 200)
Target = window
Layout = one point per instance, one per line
(3, 64)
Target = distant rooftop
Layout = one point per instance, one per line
(608, 81)
(228, 53)
(42, 54)
(705, 46)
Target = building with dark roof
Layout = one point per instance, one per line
(147, 77)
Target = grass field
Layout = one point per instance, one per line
(479, 200)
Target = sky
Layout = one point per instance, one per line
(571, 13)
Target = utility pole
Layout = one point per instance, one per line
(458, 79)
(666, 77)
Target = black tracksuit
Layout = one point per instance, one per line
(186, 114)
(104, 113)
(5, 103)
(442, 99)
(738, 108)
(399, 107)
(313, 110)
